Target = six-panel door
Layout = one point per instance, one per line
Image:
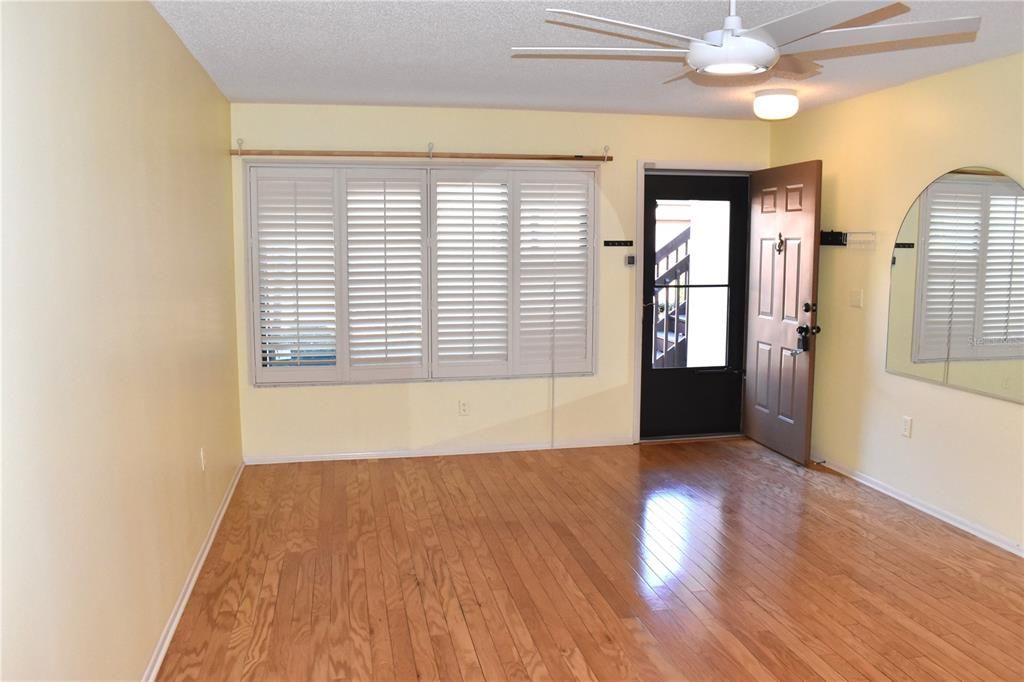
(784, 229)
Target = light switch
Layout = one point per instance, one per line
(856, 298)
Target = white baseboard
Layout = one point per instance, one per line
(431, 451)
(179, 606)
(952, 519)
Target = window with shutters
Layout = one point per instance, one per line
(385, 274)
(471, 273)
(554, 314)
(373, 274)
(293, 215)
(970, 292)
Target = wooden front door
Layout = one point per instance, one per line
(781, 307)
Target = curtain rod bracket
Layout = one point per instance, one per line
(430, 151)
(606, 149)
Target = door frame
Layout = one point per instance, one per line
(678, 168)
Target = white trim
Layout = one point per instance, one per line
(638, 293)
(190, 581)
(952, 519)
(433, 451)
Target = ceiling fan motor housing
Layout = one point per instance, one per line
(726, 53)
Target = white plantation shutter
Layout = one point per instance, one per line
(385, 277)
(471, 273)
(293, 250)
(950, 242)
(555, 246)
(369, 274)
(971, 271)
(1002, 322)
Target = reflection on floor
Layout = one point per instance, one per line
(703, 561)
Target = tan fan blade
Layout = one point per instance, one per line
(685, 74)
(881, 14)
(794, 67)
(814, 20)
(884, 33)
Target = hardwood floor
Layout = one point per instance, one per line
(702, 561)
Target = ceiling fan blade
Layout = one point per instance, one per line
(793, 67)
(814, 20)
(879, 15)
(625, 24)
(649, 41)
(685, 74)
(884, 33)
(609, 51)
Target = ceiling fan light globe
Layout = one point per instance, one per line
(776, 105)
(736, 56)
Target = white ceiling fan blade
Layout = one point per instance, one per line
(604, 51)
(625, 24)
(814, 20)
(884, 33)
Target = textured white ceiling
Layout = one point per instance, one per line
(456, 53)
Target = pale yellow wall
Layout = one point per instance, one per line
(880, 150)
(314, 420)
(119, 350)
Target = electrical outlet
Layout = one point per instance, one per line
(908, 427)
(202, 459)
(463, 408)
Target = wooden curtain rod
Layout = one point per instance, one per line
(422, 155)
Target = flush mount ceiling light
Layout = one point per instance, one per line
(775, 105)
(737, 51)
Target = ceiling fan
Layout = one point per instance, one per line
(737, 51)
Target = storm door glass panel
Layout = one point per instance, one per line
(691, 284)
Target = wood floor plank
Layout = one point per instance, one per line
(503, 615)
(402, 654)
(714, 560)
